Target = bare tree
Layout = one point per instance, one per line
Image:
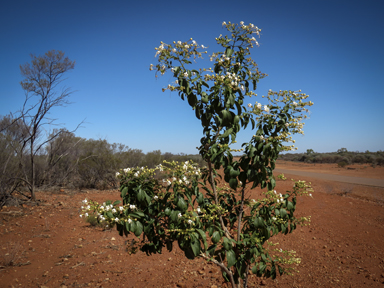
(41, 79)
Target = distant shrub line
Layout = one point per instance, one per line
(72, 162)
(342, 157)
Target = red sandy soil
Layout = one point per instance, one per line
(48, 245)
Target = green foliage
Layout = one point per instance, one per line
(202, 210)
(342, 164)
(281, 177)
(310, 151)
(348, 157)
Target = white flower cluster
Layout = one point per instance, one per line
(101, 211)
(189, 171)
(280, 198)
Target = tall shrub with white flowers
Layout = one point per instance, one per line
(192, 207)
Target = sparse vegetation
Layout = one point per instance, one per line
(341, 156)
(67, 161)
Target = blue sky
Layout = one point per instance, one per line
(332, 50)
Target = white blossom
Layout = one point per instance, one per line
(129, 221)
(190, 221)
(179, 215)
(155, 197)
(250, 105)
(266, 109)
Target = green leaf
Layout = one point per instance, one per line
(181, 204)
(228, 52)
(124, 192)
(204, 97)
(234, 173)
(174, 215)
(211, 249)
(231, 258)
(227, 244)
(216, 237)
(139, 229)
(141, 195)
(233, 183)
(195, 245)
(137, 214)
(204, 237)
(283, 213)
(192, 100)
(254, 269)
(210, 231)
(227, 118)
(117, 202)
(133, 226)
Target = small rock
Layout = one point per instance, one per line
(113, 239)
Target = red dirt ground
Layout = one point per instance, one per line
(50, 246)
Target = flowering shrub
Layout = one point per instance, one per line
(207, 216)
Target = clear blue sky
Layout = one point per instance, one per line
(332, 50)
